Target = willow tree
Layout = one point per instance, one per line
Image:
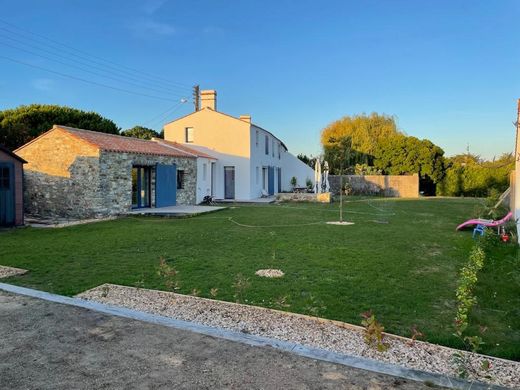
(366, 132)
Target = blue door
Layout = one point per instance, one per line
(7, 205)
(165, 185)
(270, 182)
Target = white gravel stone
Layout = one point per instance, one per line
(309, 331)
(270, 273)
(6, 272)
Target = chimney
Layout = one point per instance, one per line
(208, 99)
(245, 118)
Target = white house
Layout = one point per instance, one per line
(248, 160)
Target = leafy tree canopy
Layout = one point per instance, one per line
(338, 153)
(469, 175)
(365, 131)
(140, 132)
(22, 124)
(310, 161)
(408, 155)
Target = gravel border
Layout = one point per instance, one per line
(313, 332)
(6, 272)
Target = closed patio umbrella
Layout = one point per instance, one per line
(317, 176)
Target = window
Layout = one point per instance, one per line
(257, 174)
(272, 148)
(189, 134)
(267, 144)
(5, 178)
(279, 152)
(257, 138)
(204, 171)
(180, 179)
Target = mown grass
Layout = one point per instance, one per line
(400, 259)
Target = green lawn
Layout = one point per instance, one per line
(400, 259)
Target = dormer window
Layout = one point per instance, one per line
(189, 135)
(267, 145)
(257, 138)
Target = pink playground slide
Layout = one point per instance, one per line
(486, 222)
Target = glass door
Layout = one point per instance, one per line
(141, 190)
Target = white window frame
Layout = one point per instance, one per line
(189, 135)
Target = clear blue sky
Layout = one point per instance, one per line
(448, 70)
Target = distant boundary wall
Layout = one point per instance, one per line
(405, 186)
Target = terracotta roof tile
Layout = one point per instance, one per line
(184, 148)
(121, 144)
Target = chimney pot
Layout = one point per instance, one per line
(208, 99)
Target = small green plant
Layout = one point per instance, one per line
(348, 189)
(139, 283)
(294, 181)
(373, 331)
(195, 292)
(314, 306)
(281, 302)
(416, 334)
(465, 290)
(104, 291)
(309, 184)
(169, 274)
(461, 362)
(241, 284)
(466, 300)
(213, 292)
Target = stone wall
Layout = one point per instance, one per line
(116, 179)
(406, 186)
(61, 177)
(68, 178)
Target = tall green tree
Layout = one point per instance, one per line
(408, 155)
(338, 153)
(22, 124)
(140, 132)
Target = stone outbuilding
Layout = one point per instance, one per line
(11, 188)
(78, 173)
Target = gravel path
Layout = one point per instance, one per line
(309, 331)
(48, 345)
(5, 271)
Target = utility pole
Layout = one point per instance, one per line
(196, 97)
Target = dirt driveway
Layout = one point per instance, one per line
(45, 345)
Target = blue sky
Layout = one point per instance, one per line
(448, 70)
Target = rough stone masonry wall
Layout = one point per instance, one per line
(61, 177)
(116, 179)
(406, 186)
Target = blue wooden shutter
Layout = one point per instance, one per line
(165, 185)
